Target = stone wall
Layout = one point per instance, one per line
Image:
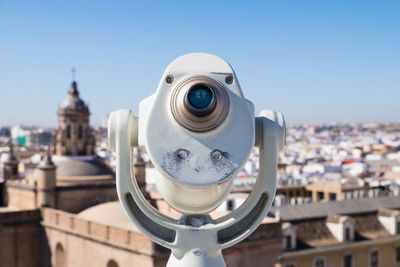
(24, 195)
(22, 239)
(20, 194)
(77, 198)
(87, 243)
(77, 242)
(47, 237)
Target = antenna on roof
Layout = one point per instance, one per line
(73, 73)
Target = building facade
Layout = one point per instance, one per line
(348, 233)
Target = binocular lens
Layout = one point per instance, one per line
(199, 103)
(200, 96)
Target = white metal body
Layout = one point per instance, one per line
(196, 240)
(205, 183)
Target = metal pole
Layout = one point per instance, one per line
(197, 258)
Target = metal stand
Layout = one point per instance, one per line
(197, 258)
(197, 240)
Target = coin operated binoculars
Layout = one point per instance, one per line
(198, 130)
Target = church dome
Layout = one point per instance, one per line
(80, 166)
(109, 213)
(72, 102)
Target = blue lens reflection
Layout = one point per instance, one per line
(200, 96)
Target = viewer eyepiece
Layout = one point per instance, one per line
(200, 103)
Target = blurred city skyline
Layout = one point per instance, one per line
(313, 61)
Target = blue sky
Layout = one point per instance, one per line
(315, 61)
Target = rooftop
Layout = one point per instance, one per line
(80, 166)
(343, 207)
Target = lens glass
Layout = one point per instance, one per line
(200, 96)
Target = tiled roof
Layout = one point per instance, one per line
(367, 226)
(313, 233)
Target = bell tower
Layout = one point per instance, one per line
(74, 136)
(11, 165)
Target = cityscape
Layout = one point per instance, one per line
(337, 198)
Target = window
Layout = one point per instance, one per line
(374, 258)
(332, 196)
(347, 234)
(60, 257)
(320, 195)
(319, 262)
(398, 254)
(398, 227)
(348, 261)
(80, 131)
(112, 263)
(288, 239)
(68, 132)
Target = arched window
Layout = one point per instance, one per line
(80, 132)
(68, 132)
(61, 259)
(112, 263)
(289, 236)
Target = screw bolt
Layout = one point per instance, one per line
(229, 79)
(216, 154)
(182, 154)
(169, 79)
